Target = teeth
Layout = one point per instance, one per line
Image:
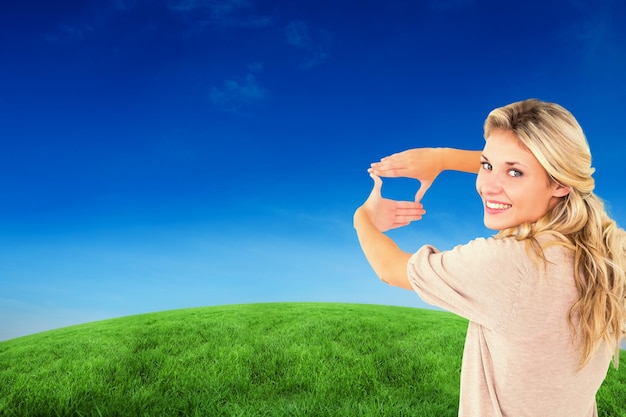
(497, 206)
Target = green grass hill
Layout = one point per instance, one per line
(275, 359)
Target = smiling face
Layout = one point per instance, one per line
(513, 185)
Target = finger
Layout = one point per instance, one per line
(404, 221)
(388, 172)
(425, 185)
(391, 167)
(410, 211)
(397, 225)
(409, 205)
(409, 215)
(389, 161)
(396, 156)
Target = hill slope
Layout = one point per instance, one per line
(283, 359)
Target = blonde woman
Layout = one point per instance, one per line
(545, 297)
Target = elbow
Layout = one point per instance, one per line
(395, 275)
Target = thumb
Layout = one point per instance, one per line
(425, 185)
(378, 184)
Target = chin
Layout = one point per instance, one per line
(496, 225)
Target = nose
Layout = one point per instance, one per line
(488, 183)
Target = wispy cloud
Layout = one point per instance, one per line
(69, 33)
(224, 13)
(195, 18)
(449, 5)
(297, 33)
(316, 45)
(217, 7)
(598, 37)
(235, 94)
(125, 4)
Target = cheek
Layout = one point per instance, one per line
(479, 182)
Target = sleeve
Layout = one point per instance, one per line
(479, 281)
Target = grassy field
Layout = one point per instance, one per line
(284, 359)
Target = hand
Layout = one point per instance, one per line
(422, 164)
(388, 214)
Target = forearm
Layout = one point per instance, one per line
(385, 257)
(460, 160)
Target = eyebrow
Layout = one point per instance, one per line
(506, 163)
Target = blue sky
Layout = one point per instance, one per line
(168, 154)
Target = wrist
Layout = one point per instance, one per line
(452, 159)
(362, 219)
(359, 215)
(445, 159)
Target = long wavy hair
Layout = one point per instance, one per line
(578, 221)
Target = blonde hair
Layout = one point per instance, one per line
(578, 221)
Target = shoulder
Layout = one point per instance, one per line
(521, 255)
(493, 249)
(482, 247)
(486, 256)
(479, 280)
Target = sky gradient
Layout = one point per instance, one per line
(168, 154)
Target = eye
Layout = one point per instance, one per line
(515, 173)
(486, 165)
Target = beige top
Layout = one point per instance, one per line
(520, 358)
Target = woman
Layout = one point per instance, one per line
(545, 297)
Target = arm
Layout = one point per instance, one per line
(385, 257)
(425, 164)
(461, 160)
(374, 217)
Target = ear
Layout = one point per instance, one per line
(560, 190)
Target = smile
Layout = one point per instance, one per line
(497, 206)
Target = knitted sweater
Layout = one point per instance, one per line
(520, 357)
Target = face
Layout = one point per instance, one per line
(512, 184)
